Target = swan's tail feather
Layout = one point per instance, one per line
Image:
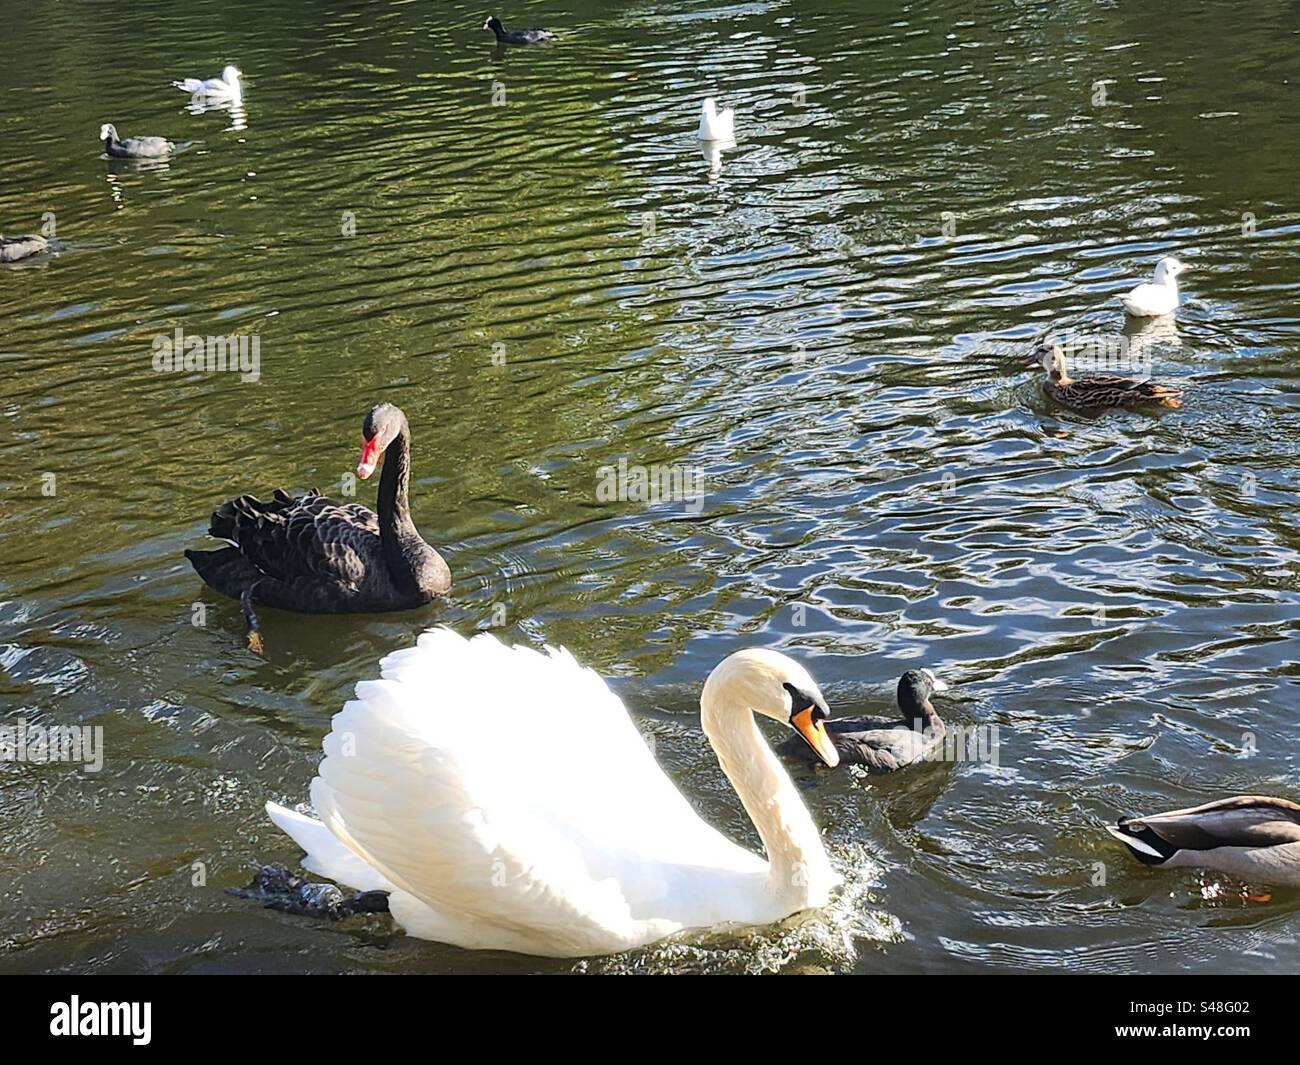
(227, 518)
(225, 569)
(189, 84)
(327, 855)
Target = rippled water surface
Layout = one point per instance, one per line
(826, 322)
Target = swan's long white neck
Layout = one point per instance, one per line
(799, 872)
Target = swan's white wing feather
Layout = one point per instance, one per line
(327, 856)
(509, 788)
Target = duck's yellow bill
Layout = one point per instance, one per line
(815, 735)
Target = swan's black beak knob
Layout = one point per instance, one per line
(806, 718)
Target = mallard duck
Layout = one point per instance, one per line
(1254, 837)
(1159, 296)
(886, 746)
(1100, 391)
(536, 35)
(14, 248)
(504, 799)
(134, 147)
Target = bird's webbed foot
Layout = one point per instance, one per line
(279, 889)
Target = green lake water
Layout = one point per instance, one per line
(825, 324)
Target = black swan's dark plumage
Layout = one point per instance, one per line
(536, 35)
(318, 556)
(14, 248)
(885, 746)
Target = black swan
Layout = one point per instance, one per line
(14, 248)
(134, 147)
(317, 556)
(885, 746)
(505, 36)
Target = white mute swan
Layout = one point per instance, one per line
(716, 125)
(1160, 295)
(506, 801)
(226, 87)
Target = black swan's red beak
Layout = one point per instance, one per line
(370, 451)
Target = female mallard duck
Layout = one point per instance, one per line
(505, 801)
(14, 248)
(1253, 837)
(1095, 393)
(886, 746)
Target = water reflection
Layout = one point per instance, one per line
(201, 105)
(1162, 329)
(712, 152)
(116, 169)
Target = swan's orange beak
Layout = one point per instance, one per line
(370, 451)
(809, 725)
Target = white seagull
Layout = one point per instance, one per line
(1160, 296)
(226, 87)
(716, 125)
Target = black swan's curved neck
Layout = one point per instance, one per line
(396, 529)
(416, 570)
